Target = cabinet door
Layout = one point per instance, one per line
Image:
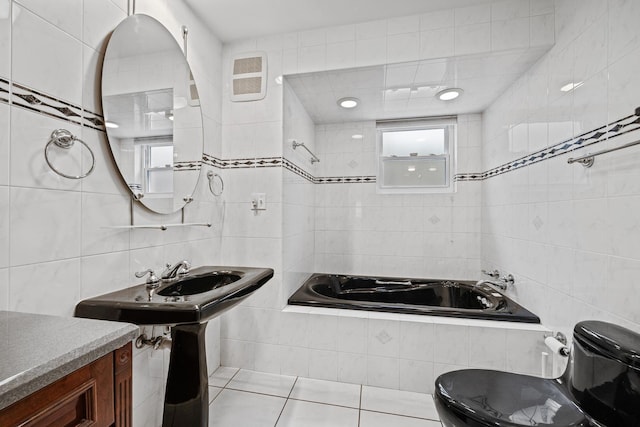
(82, 398)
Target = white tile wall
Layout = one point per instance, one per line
(576, 263)
(36, 43)
(66, 14)
(358, 231)
(55, 228)
(384, 350)
(5, 37)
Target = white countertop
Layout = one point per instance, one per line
(36, 349)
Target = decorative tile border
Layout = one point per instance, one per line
(4, 91)
(468, 177)
(610, 131)
(93, 120)
(257, 162)
(191, 165)
(33, 100)
(288, 164)
(604, 133)
(30, 99)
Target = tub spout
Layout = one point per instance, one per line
(498, 286)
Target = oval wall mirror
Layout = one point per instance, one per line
(152, 114)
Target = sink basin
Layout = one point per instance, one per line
(205, 293)
(192, 285)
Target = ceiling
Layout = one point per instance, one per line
(233, 20)
(408, 89)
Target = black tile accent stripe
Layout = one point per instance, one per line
(190, 165)
(93, 120)
(4, 91)
(39, 102)
(30, 99)
(610, 131)
(477, 176)
(22, 96)
(288, 164)
(255, 162)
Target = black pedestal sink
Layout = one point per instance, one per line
(186, 304)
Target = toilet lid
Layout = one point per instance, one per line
(498, 398)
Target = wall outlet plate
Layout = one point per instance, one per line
(259, 201)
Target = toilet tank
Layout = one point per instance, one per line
(604, 376)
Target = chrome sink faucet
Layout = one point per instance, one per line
(172, 272)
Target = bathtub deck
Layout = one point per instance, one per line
(240, 397)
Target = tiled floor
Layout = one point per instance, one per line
(255, 399)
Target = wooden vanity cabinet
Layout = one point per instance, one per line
(98, 395)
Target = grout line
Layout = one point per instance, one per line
(401, 415)
(228, 381)
(288, 397)
(360, 406)
(256, 392)
(324, 403)
(232, 377)
(286, 401)
(218, 394)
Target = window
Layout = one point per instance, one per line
(416, 155)
(159, 168)
(154, 165)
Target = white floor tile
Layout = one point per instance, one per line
(306, 414)
(221, 376)
(258, 382)
(238, 408)
(330, 392)
(376, 419)
(399, 402)
(213, 392)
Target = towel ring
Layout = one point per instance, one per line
(212, 177)
(64, 139)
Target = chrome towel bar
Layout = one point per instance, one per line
(295, 144)
(588, 159)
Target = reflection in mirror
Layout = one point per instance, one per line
(152, 114)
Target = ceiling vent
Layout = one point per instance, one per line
(249, 77)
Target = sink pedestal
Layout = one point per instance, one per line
(186, 401)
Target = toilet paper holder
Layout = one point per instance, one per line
(557, 342)
(559, 336)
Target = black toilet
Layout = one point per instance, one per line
(601, 387)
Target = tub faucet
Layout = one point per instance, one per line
(501, 284)
(172, 272)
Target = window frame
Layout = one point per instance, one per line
(447, 123)
(146, 161)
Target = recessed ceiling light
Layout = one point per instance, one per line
(433, 169)
(571, 86)
(111, 125)
(357, 136)
(411, 169)
(348, 102)
(449, 94)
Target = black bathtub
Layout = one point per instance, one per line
(451, 298)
